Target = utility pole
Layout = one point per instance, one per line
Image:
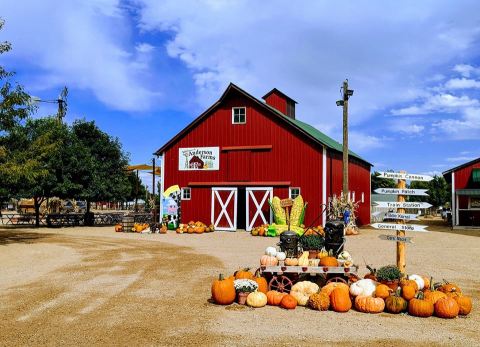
(153, 192)
(345, 139)
(346, 94)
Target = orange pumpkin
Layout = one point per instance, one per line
(190, 230)
(261, 231)
(288, 302)
(419, 307)
(118, 228)
(328, 261)
(262, 284)
(434, 296)
(163, 229)
(447, 308)
(406, 282)
(382, 291)
(223, 291)
(291, 261)
(464, 304)
(179, 231)
(274, 298)
(449, 288)
(340, 300)
(408, 292)
(368, 304)
(426, 281)
(243, 274)
(328, 288)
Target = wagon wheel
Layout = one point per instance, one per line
(336, 279)
(280, 284)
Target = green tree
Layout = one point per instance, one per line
(378, 182)
(438, 191)
(137, 188)
(102, 176)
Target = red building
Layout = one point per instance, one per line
(465, 184)
(252, 150)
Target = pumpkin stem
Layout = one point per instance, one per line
(220, 277)
(398, 292)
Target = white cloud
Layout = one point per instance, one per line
(466, 70)
(359, 141)
(460, 158)
(438, 103)
(462, 83)
(466, 127)
(306, 51)
(81, 44)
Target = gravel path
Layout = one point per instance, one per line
(91, 286)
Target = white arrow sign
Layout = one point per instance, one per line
(402, 216)
(401, 227)
(398, 191)
(405, 176)
(402, 204)
(396, 238)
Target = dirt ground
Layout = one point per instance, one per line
(91, 286)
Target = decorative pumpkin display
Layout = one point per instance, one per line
(329, 260)
(363, 287)
(281, 256)
(303, 260)
(419, 307)
(446, 308)
(223, 291)
(449, 288)
(256, 299)
(272, 251)
(268, 260)
(419, 280)
(243, 274)
(288, 302)
(322, 253)
(328, 288)
(369, 304)
(395, 303)
(179, 230)
(382, 291)
(274, 298)
(190, 230)
(118, 228)
(319, 301)
(340, 300)
(464, 304)
(291, 261)
(434, 296)
(408, 292)
(301, 291)
(262, 284)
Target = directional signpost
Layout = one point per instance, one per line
(402, 216)
(401, 191)
(402, 204)
(396, 191)
(396, 238)
(405, 176)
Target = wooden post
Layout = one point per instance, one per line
(345, 139)
(401, 263)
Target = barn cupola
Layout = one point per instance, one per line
(280, 102)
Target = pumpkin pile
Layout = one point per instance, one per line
(416, 295)
(195, 228)
(139, 227)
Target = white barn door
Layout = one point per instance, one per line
(224, 208)
(258, 209)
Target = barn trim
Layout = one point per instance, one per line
(306, 129)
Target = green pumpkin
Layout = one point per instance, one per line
(395, 304)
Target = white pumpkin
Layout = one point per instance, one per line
(363, 287)
(271, 251)
(281, 256)
(419, 280)
(302, 291)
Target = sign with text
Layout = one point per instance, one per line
(199, 158)
(398, 191)
(400, 216)
(396, 238)
(286, 203)
(405, 204)
(401, 227)
(405, 176)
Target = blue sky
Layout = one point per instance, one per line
(143, 69)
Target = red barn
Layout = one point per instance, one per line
(252, 150)
(465, 184)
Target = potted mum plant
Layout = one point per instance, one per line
(389, 275)
(313, 244)
(243, 287)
